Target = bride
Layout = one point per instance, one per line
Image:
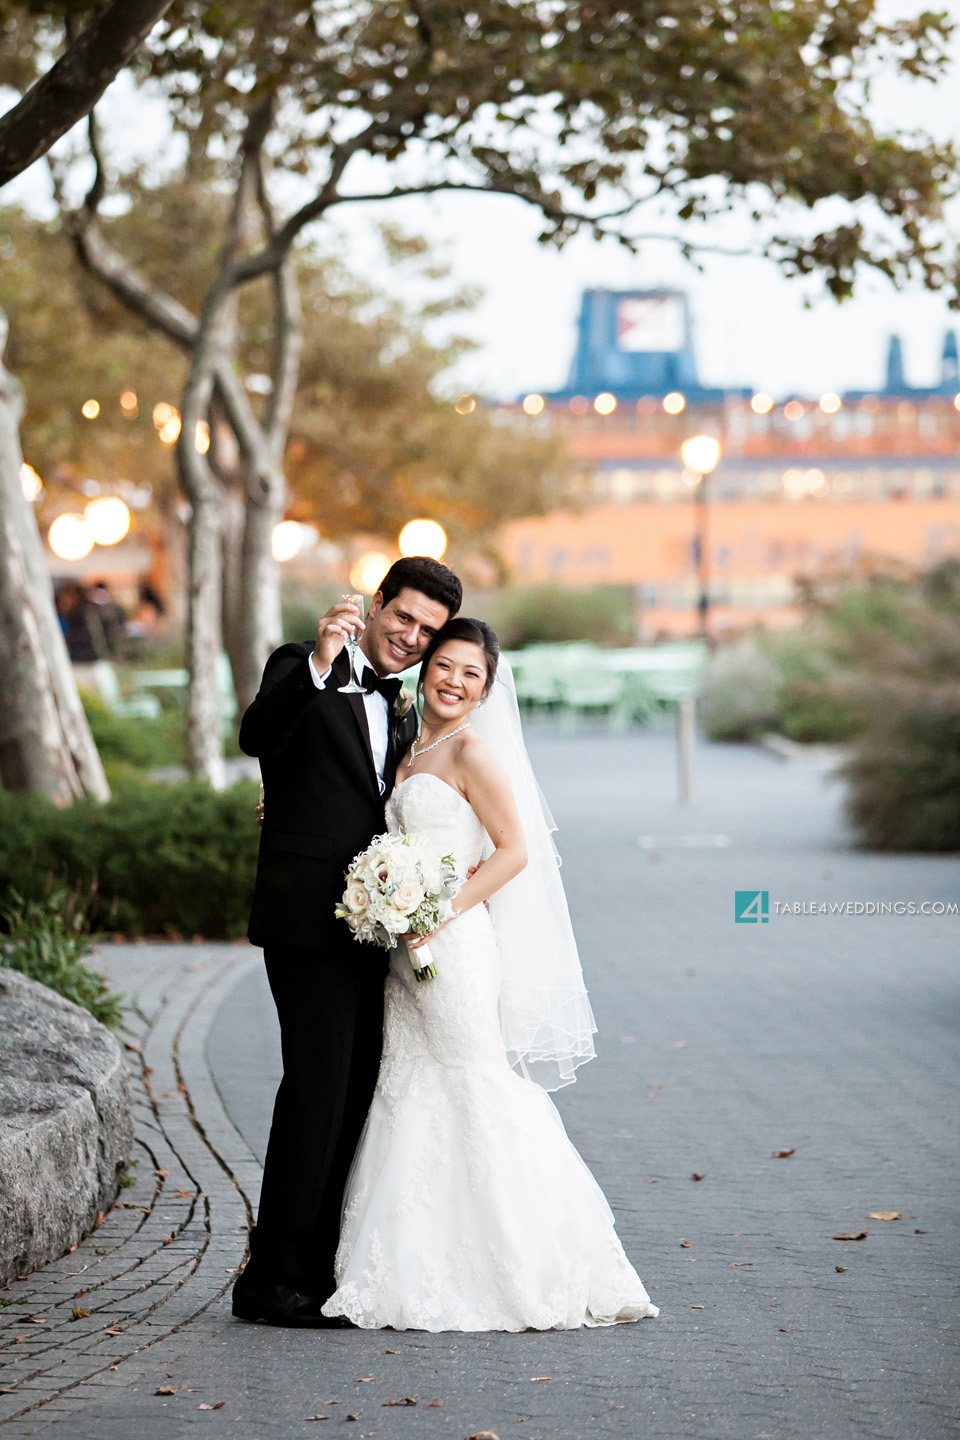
(467, 1207)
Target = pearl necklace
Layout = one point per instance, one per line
(414, 752)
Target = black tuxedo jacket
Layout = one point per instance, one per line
(322, 803)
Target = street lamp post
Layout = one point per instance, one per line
(701, 454)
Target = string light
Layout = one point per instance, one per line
(367, 572)
(465, 405)
(761, 403)
(533, 404)
(90, 409)
(605, 403)
(69, 537)
(423, 537)
(30, 482)
(108, 519)
(674, 403)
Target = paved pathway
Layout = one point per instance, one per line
(833, 1036)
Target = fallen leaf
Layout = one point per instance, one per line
(649, 1182)
(32, 1319)
(860, 1235)
(169, 1239)
(219, 1406)
(735, 1263)
(784, 1330)
(695, 1176)
(884, 1215)
(113, 1332)
(484, 1435)
(169, 1094)
(98, 1221)
(921, 1232)
(541, 1377)
(135, 1048)
(187, 1194)
(353, 1417)
(698, 1307)
(783, 1154)
(407, 1400)
(435, 1405)
(316, 1417)
(364, 1379)
(21, 1337)
(680, 1044)
(391, 1352)
(165, 1390)
(841, 1269)
(5, 1390)
(685, 1244)
(162, 1173)
(113, 1367)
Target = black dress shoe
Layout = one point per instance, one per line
(282, 1305)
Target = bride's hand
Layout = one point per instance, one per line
(414, 941)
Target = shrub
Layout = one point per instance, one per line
(548, 614)
(172, 860)
(741, 695)
(48, 940)
(904, 773)
(138, 742)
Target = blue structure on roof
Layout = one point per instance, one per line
(633, 343)
(896, 385)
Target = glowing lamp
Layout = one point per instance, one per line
(367, 572)
(605, 403)
(128, 403)
(533, 404)
(793, 410)
(286, 540)
(169, 432)
(90, 409)
(700, 453)
(465, 405)
(830, 403)
(69, 537)
(761, 403)
(423, 537)
(674, 403)
(162, 413)
(108, 519)
(30, 482)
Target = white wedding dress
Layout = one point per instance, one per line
(467, 1207)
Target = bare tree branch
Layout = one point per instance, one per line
(72, 86)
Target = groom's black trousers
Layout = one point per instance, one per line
(330, 1004)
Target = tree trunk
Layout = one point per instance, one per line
(204, 729)
(232, 605)
(45, 743)
(261, 623)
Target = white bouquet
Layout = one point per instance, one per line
(399, 883)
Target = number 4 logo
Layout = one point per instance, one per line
(751, 907)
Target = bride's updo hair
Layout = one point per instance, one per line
(475, 632)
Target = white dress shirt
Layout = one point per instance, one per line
(375, 705)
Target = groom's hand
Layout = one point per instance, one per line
(333, 631)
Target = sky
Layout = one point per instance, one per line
(751, 326)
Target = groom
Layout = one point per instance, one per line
(328, 763)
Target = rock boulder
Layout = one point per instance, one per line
(65, 1124)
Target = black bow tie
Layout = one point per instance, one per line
(388, 685)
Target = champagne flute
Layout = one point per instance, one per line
(351, 687)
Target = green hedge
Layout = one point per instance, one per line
(160, 859)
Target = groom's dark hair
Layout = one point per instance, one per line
(419, 572)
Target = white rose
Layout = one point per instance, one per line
(357, 898)
(407, 897)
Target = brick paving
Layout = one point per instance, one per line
(833, 1036)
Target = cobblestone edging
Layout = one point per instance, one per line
(168, 1248)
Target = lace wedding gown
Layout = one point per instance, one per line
(467, 1207)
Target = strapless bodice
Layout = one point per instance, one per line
(426, 805)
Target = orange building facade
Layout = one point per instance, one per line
(806, 489)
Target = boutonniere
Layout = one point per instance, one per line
(404, 703)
